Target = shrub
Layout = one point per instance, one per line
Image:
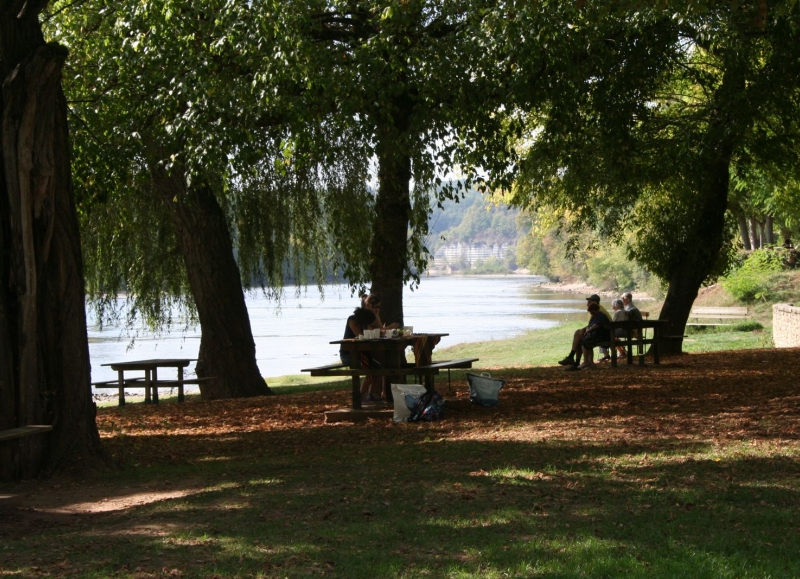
(750, 281)
(746, 326)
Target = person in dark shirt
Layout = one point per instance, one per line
(573, 359)
(633, 312)
(595, 334)
(362, 319)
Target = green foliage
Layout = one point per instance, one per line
(186, 87)
(604, 264)
(490, 266)
(473, 217)
(751, 281)
(643, 114)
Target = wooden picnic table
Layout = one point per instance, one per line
(635, 337)
(150, 368)
(390, 352)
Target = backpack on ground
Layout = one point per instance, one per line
(427, 407)
(402, 393)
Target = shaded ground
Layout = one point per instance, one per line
(687, 469)
(750, 396)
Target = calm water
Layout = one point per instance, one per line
(295, 334)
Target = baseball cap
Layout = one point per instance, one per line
(594, 298)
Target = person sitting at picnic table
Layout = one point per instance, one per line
(362, 319)
(373, 304)
(633, 312)
(573, 359)
(595, 334)
(620, 315)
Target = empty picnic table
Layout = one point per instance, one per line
(150, 381)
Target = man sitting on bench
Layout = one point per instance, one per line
(573, 359)
(633, 312)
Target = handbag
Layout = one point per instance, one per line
(483, 389)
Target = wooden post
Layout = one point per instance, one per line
(154, 385)
(180, 383)
(121, 380)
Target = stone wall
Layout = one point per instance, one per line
(786, 326)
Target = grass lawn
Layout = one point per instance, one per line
(687, 469)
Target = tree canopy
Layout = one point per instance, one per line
(648, 113)
(187, 88)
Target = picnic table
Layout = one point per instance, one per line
(149, 381)
(390, 351)
(635, 336)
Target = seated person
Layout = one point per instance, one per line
(574, 358)
(595, 334)
(361, 320)
(620, 315)
(633, 312)
(373, 304)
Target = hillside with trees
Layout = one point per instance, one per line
(473, 234)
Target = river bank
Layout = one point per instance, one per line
(584, 288)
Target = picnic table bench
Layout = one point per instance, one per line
(342, 370)
(150, 382)
(723, 315)
(22, 431)
(139, 383)
(635, 337)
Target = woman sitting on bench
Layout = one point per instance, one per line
(620, 315)
(362, 319)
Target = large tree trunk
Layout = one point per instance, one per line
(699, 254)
(701, 248)
(227, 348)
(389, 251)
(45, 355)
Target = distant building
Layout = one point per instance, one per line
(468, 254)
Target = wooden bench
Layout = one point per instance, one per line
(463, 363)
(22, 431)
(342, 370)
(139, 383)
(723, 315)
(635, 337)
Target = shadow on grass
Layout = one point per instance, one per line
(689, 469)
(427, 507)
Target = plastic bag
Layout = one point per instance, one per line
(483, 389)
(400, 391)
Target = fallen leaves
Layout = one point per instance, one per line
(745, 395)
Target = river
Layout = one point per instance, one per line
(295, 334)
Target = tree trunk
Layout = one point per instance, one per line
(700, 253)
(769, 230)
(45, 355)
(756, 238)
(389, 251)
(700, 250)
(227, 348)
(743, 231)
